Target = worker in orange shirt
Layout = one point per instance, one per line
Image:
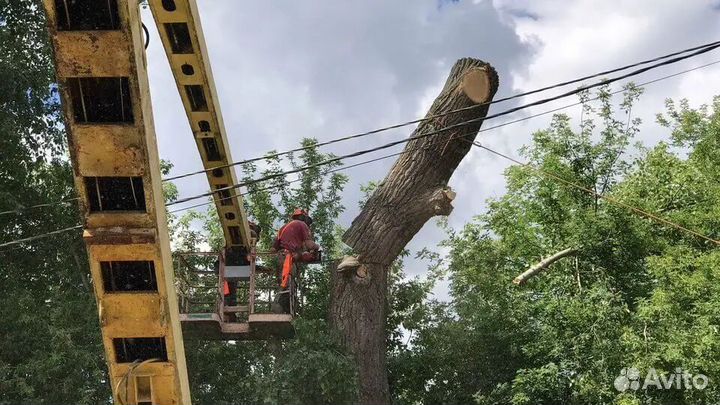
(294, 244)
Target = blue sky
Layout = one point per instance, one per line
(285, 70)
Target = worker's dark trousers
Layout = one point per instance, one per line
(284, 301)
(231, 298)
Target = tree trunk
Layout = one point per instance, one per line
(415, 190)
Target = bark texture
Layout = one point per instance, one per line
(415, 190)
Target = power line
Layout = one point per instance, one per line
(364, 162)
(476, 144)
(21, 210)
(454, 126)
(708, 47)
(15, 242)
(24, 209)
(36, 237)
(399, 153)
(289, 182)
(19, 241)
(596, 194)
(643, 84)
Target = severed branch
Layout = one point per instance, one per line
(543, 264)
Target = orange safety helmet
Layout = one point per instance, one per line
(298, 213)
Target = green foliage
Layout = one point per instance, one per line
(312, 368)
(638, 294)
(50, 337)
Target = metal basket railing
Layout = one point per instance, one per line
(199, 284)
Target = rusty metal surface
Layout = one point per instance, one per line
(125, 314)
(123, 150)
(119, 236)
(109, 150)
(98, 54)
(259, 327)
(162, 377)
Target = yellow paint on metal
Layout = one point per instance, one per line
(186, 12)
(117, 148)
(162, 376)
(181, 33)
(125, 149)
(92, 53)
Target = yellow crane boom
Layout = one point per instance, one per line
(101, 71)
(102, 76)
(178, 24)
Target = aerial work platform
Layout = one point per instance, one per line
(216, 315)
(209, 326)
(204, 313)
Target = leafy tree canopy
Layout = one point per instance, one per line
(637, 294)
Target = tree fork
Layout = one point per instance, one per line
(415, 190)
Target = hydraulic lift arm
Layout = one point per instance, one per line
(178, 23)
(100, 65)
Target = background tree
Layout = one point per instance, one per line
(637, 293)
(51, 350)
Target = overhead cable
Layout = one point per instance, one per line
(272, 187)
(41, 236)
(454, 126)
(24, 209)
(37, 237)
(607, 198)
(705, 48)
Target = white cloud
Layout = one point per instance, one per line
(286, 70)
